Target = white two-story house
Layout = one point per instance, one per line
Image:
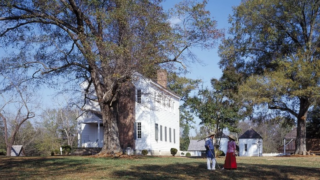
(149, 118)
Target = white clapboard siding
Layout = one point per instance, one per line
(158, 106)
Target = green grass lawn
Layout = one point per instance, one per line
(146, 167)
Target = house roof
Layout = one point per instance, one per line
(250, 134)
(196, 145)
(90, 117)
(292, 134)
(98, 115)
(158, 85)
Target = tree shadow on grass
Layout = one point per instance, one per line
(199, 171)
(39, 168)
(141, 168)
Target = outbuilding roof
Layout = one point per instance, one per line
(221, 135)
(250, 134)
(196, 145)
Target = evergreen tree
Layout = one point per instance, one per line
(183, 86)
(272, 56)
(313, 123)
(185, 139)
(215, 109)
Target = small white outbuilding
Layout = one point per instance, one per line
(250, 143)
(17, 150)
(196, 148)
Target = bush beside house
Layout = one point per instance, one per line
(144, 152)
(173, 151)
(3, 152)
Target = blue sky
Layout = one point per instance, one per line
(220, 11)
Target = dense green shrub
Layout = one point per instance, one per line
(52, 153)
(173, 151)
(219, 153)
(66, 149)
(144, 152)
(57, 152)
(3, 152)
(188, 154)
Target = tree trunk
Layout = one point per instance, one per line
(11, 141)
(111, 142)
(9, 146)
(301, 147)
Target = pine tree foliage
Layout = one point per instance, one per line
(183, 87)
(313, 123)
(215, 109)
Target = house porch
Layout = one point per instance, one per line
(90, 135)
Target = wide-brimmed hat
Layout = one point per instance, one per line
(211, 134)
(232, 137)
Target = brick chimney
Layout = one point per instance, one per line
(162, 77)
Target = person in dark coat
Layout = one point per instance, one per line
(210, 152)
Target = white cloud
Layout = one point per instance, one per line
(174, 20)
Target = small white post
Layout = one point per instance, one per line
(61, 150)
(284, 147)
(259, 147)
(98, 133)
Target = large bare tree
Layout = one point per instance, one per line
(103, 43)
(14, 111)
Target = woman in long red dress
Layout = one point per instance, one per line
(230, 162)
